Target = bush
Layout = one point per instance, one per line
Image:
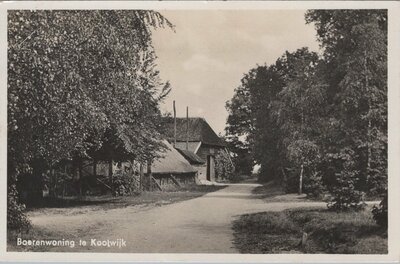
(377, 181)
(313, 185)
(380, 213)
(224, 167)
(124, 184)
(236, 177)
(16, 218)
(309, 230)
(345, 196)
(291, 180)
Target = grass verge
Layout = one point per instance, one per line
(72, 205)
(308, 230)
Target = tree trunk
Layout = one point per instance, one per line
(301, 180)
(369, 151)
(110, 175)
(149, 174)
(369, 128)
(54, 177)
(94, 167)
(141, 176)
(284, 178)
(80, 177)
(52, 185)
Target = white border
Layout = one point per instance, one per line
(394, 131)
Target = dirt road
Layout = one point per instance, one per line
(200, 225)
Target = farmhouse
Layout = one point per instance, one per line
(198, 143)
(172, 169)
(169, 170)
(191, 160)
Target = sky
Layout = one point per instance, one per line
(211, 50)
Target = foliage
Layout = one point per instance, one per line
(16, 219)
(344, 191)
(380, 213)
(93, 70)
(79, 80)
(249, 123)
(313, 185)
(224, 168)
(356, 61)
(57, 182)
(322, 116)
(345, 196)
(124, 184)
(327, 232)
(303, 152)
(240, 156)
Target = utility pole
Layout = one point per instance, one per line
(187, 127)
(174, 124)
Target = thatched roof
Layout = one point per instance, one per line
(191, 156)
(199, 130)
(171, 162)
(192, 146)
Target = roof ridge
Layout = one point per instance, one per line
(199, 130)
(190, 117)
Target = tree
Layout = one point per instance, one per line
(240, 124)
(75, 75)
(265, 109)
(321, 118)
(300, 112)
(355, 51)
(241, 156)
(249, 120)
(224, 168)
(345, 193)
(380, 213)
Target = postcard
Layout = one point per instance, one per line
(195, 131)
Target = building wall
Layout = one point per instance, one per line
(212, 168)
(203, 152)
(206, 150)
(102, 168)
(166, 183)
(201, 171)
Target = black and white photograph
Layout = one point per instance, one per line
(259, 131)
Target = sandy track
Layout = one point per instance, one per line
(200, 225)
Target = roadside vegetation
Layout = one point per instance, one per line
(316, 123)
(81, 83)
(310, 231)
(107, 202)
(268, 190)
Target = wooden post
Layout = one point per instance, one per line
(80, 176)
(110, 175)
(75, 170)
(284, 178)
(149, 174)
(141, 173)
(175, 180)
(304, 239)
(131, 169)
(174, 124)
(301, 179)
(94, 167)
(54, 177)
(187, 127)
